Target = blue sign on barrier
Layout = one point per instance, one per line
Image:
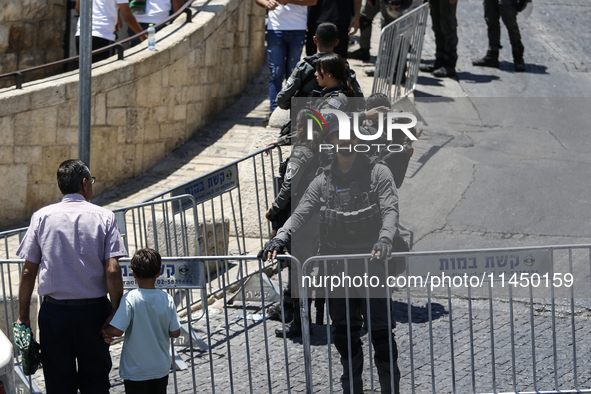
(184, 274)
(209, 186)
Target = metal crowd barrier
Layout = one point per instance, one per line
(219, 197)
(480, 321)
(205, 217)
(239, 355)
(10, 273)
(9, 242)
(399, 55)
(521, 324)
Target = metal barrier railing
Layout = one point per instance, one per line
(399, 54)
(205, 217)
(237, 355)
(175, 227)
(479, 321)
(9, 242)
(226, 196)
(117, 46)
(10, 273)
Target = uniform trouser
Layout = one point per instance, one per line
(368, 13)
(304, 244)
(73, 352)
(445, 24)
(382, 338)
(493, 12)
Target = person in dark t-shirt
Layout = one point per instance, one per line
(343, 13)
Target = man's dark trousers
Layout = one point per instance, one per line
(445, 25)
(493, 12)
(73, 352)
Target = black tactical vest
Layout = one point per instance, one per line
(350, 218)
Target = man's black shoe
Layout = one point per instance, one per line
(360, 54)
(490, 60)
(293, 331)
(427, 68)
(519, 65)
(274, 313)
(444, 72)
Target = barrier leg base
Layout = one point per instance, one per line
(184, 340)
(179, 364)
(22, 382)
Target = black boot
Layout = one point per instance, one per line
(429, 68)
(444, 72)
(294, 330)
(518, 62)
(490, 60)
(274, 312)
(360, 54)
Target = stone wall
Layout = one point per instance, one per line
(143, 107)
(32, 33)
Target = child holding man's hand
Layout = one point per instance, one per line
(148, 317)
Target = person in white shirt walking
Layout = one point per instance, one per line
(153, 12)
(104, 24)
(286, 34)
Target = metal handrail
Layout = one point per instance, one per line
(117, 45)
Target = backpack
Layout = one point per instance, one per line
(521, 4)
(397, 162)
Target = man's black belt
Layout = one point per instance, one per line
(81, 301)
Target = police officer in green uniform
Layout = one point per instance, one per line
(302, 82)
(358, 208)
(301, 170)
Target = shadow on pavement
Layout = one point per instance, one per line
(419, 314)
(530, 68)
(429, 81)
(477, 78)
(424, 97)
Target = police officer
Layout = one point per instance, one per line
(390, 9)
(302, 82)
(331, 77)
(445, 28)
(366, 193)
(300, 171)
(494, 10)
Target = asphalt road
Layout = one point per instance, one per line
(504, 160)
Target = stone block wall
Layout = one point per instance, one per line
(32, 33)
(143, 107)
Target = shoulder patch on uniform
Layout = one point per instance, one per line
(298, 154)
(288, 84)
(292, 170)
(336, 104)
